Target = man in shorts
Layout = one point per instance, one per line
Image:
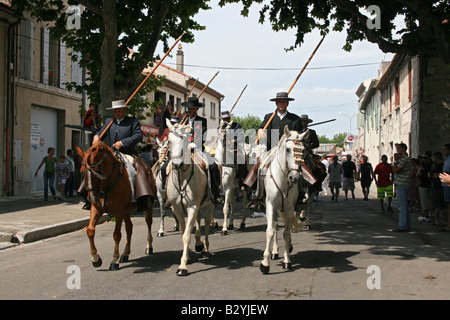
(383, 176)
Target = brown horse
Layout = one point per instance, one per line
(110, 190)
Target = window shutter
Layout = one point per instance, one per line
(62, 64)
(26, 49)
(45, 52)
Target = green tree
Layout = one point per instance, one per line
(108, 32)
(426, 31)
(249, 124)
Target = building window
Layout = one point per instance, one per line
(409, 82)
(397, 92)
(213, 110)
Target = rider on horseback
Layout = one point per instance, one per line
(124, 135)
(282, 118)
(197, 122)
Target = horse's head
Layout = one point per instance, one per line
(291, 151)
(97, 165)
(179, 139)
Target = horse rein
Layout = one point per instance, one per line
(298, 157)
(90, 170)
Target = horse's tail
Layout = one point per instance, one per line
(296, 224)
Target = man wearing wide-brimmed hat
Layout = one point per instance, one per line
(199, 127)
(314, 141)
(281, 119)
(275, 130)
(124, 135)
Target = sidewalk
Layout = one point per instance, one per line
(28, 219)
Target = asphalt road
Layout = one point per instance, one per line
(350, 242)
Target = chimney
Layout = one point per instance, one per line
(180, 59)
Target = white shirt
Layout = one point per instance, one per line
(281, 115)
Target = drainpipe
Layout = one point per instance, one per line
(10, 106)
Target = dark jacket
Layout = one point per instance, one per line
(128, 131)
(291, 120)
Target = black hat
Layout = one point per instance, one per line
(282, 95)
(175, 119)
(225, 114)
(193, 103)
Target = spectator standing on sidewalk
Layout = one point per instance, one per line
(349, 168)
(49, 172)
(437, 191)
(384, 182)
(335, 170)
(402, 170)
(413, 187)
(366, 172)
(62, 169)
(444, 176)
(425, 186)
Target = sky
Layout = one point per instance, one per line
(235, 46)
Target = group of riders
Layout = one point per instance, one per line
(124, 134)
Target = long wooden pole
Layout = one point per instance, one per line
(185, 115)
(144, 81)
(218, 134)
(187, 97)
(238, 98)
(293, 84)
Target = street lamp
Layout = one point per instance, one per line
(349, 118)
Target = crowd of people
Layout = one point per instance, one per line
(419, 184)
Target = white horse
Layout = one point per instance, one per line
(281, 186)
(187, 184)
(230, 180)
(160, 190)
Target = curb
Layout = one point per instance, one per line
(53, 230)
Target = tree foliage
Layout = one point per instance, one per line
(249, 124)
(426, 31)
(109, 31)
(337, 139)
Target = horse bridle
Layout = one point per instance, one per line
(90, 170)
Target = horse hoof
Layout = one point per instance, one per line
(98, 263)
(160, 234)
(182, 272)
(114, 267)
(287, 265)
(264, 269)
(230, 227)
(274, 256)
(242, 226)
(216, 225)
(224, 232)
(149, 251)
(199, 248)
(123, 259)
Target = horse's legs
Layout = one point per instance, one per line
(191, 217)
(233, 208)
(226, 211)
(287, 239)
(198, 241)
(208, 216)
(162, 210)
(149, 221)
(90, 231)
(244, 205)
(129, 231)
(117, 236)
(270, 232)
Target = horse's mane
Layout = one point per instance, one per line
(99, 146)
